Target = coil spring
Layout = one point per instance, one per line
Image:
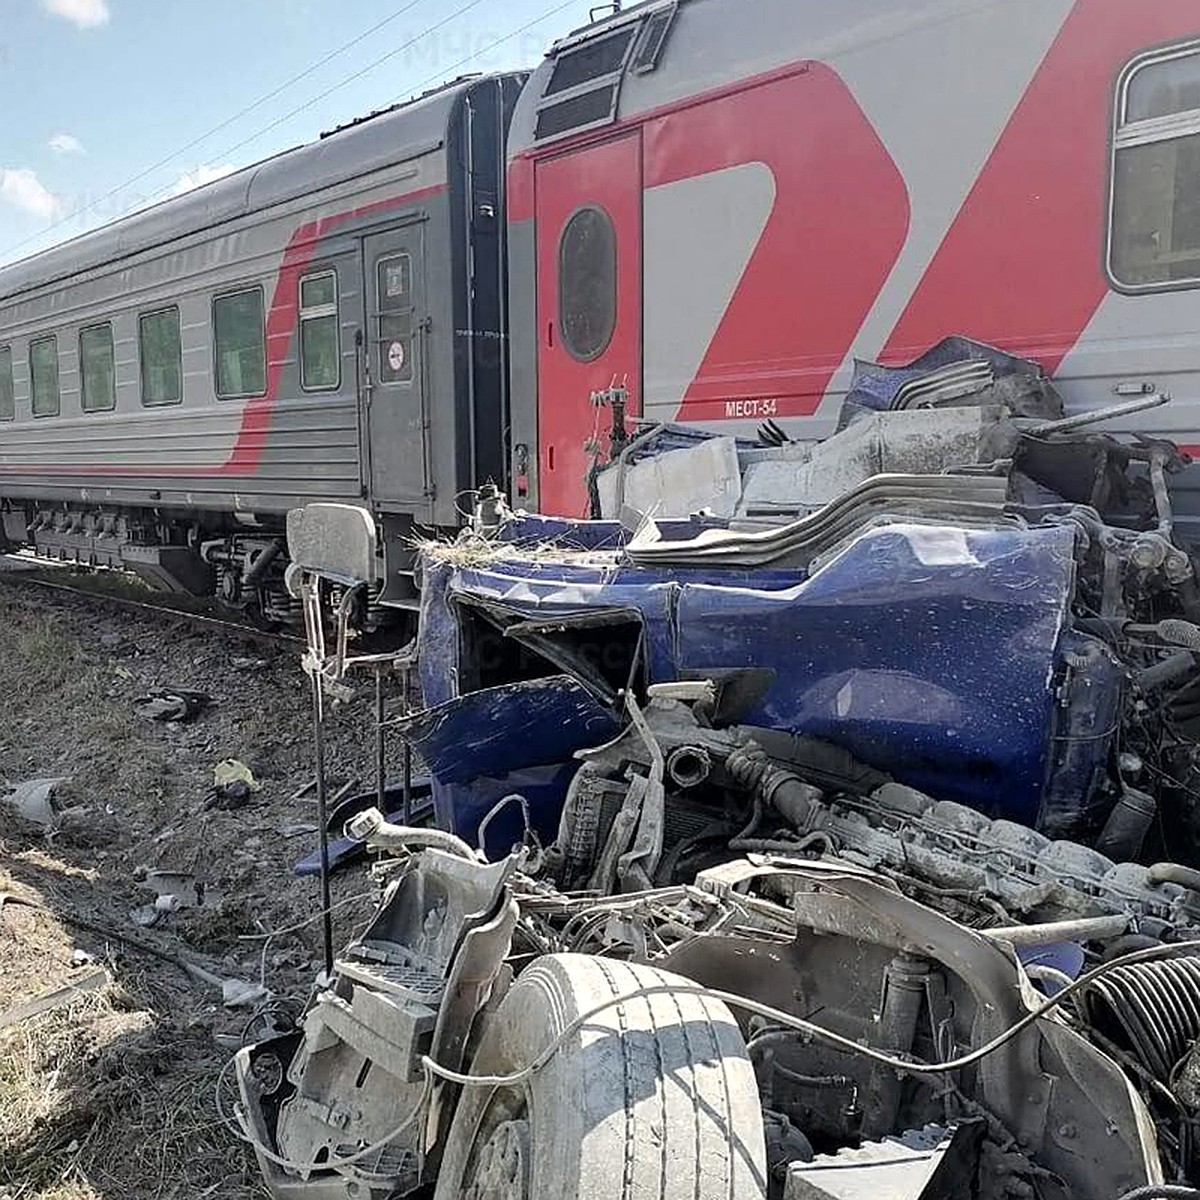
(1151, 1009)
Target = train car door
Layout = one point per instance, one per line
(588, 209)
(395, 370)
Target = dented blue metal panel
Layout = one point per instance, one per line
(930, 652)
(516, 738)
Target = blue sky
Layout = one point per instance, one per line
(96, 92)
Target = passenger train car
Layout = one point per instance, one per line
(706, 209)
(327, 325)
(719, 205)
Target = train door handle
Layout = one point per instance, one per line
(550, 334)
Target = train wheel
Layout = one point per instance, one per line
(653, 1098)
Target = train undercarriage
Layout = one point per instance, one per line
(243, 565)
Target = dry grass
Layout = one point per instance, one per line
(112, 1098)
(468, 550)
(102, 1101)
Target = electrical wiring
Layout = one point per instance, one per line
(434, 1070)
(819, 1032)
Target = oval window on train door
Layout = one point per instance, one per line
(587, 283)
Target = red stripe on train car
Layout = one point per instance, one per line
(838, 223)
(280, 329)
(1022, 267)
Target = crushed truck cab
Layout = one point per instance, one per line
(817, 823)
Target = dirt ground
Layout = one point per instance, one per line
(115, 1094)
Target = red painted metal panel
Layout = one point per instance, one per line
(607, 175)
(838, 224)
(1023, 265)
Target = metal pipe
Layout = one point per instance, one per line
(371, 827)
(258, 568)
(322, 818)
(1083, 929)
(1162, 496)
(1096, 415)
(405, 684)
(380, 745)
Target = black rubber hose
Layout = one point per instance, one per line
(1151, 1009)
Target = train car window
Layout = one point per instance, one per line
(8, 400)
(395, 318)
(577, 112)
(1154, 240)
(320, 349)
(161, 351)
(239, 343)
(584, 86)
(587, 283)
(43, 375)
(97, 369)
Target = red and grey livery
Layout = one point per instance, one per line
(761, 193)
(389, 232)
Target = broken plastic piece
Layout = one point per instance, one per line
(34, 801)
(233, 784)
(172, 705)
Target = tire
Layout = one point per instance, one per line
(653, 1099)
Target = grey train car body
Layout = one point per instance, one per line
(780, 188)
(395, 224)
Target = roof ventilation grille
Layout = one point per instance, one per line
(653, 37)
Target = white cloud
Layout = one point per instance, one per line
(84, 14)
(21, 188)
(199, 177)
(65, 143)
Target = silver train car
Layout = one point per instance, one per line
(325, 325)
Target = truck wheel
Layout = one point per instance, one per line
(652, 1099)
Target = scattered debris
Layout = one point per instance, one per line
(233, 784)
(297, 830)
(126, 1072)
(186, 890)
(249, 664)
(303, 791)
(885, 744)
(33, 801)
(236, 993)
(146, 915)
(56, 998)
(171, 706)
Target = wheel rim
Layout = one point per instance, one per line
(500, 1166)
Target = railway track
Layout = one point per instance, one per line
(26, 572)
